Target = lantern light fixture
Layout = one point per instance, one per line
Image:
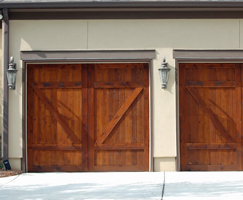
(1, 15)
(164, 73)
(11, 74)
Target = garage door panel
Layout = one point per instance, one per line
(212, 157)
(210, 134)
(112, 119)
(193, 105)
(198, 157)
(225, 157)
(46, 159)
(43, 124)
(58, 113)
(71, 107)
(54, 117)
(120, 110)
(119, 160)
(211, 168)
(220, 119)
(57, 168)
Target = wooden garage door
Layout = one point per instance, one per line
(210, 116)
(88, 117)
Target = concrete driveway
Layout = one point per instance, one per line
(123, 186)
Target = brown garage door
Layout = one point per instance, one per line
(88, 117)
(210, 116)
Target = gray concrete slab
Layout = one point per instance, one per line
(124, 186)
(203, 185)
(85, 186)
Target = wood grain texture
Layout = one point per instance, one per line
(216, 122)
(57, 116)
(216, 146)
(121, 130)
(88, 117)
(118, 115)
(210, 116)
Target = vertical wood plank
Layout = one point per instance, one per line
(53, 122)
(205, 137)
(182, 116)
(107, 106)
(238, 113)
(84, 105)
(212, 129)
(30, 116)
(146, 118)
(91, 116)
(219, 139)
(121, 97)
(114, 76)
(135, 78)
(37, 108)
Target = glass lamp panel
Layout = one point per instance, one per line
(164, 76)
(11, 76)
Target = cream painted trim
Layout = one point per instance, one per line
(24, 161)
(117, 55)
(151, 162)
(219, 56)
(177, 159)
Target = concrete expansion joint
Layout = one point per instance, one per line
(163, 188)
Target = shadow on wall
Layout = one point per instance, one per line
(171, 80)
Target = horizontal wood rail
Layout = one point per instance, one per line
(65, 85)
(213, 146)
(211, 83)
(117, 84)
(56, 148)
(120, 147)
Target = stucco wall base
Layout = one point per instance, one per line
(164, 164)
(15, 163)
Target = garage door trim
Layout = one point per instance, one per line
(126, 56)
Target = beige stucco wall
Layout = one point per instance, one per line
(161, 35)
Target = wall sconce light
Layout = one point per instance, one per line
(11, 74)
(1, 15)
(164, 73)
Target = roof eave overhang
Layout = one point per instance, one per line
(125, 5)
(124, 10)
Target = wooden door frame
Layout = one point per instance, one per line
(82, 57)
(199, 56)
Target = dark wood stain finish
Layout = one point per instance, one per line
(78, 122)
(210, 113)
